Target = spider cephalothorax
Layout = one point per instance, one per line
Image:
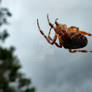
(69, 37)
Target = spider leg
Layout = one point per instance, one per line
(50, 24)
(83, 51)
(76, 29)
(53, 40)
(56, 22)
(60, 41)
(49, 34)
(58, 45)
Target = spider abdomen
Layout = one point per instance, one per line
(74, 40)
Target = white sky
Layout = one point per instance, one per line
(51, 69)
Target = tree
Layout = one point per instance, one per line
(11, 80)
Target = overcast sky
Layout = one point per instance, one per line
(52, 69)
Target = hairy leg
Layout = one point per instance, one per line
(76, 29)
(50, 24)
(53, 40)
(56, 22)
(58, 45)
(83, 51)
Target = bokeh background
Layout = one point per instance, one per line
(52, 69)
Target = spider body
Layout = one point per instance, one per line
(69, 37)
(74, 40)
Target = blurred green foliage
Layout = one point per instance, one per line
(11, 79)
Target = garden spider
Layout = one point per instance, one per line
(69, 37)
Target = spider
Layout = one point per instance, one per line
(69, 37)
